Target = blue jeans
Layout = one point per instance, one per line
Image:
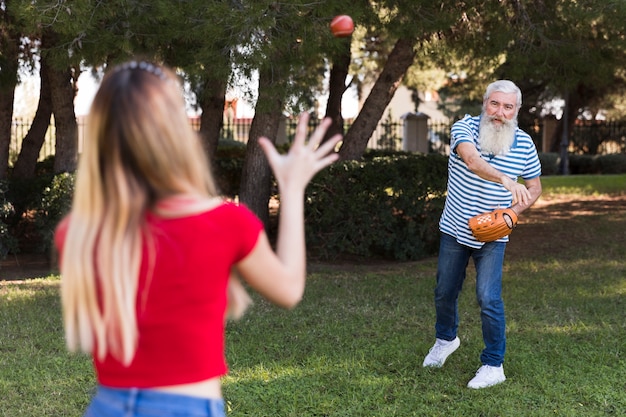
(133, 402)
(451, 272)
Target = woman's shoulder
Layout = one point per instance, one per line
(232, 209)
(223, 210)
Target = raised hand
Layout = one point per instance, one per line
(294, 170)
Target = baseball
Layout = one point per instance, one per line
(342, 26)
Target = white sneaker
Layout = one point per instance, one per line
(487, 376)
(440, 351)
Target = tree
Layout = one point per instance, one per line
(9, 54)
(26, 162)
(62, 92)
(544, 45)
(408, 26)
(357, 137)
(285, 50)
(575, 50)
(336, 88)
(58, 62)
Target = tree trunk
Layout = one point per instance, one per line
(212, 118)
(6, 119)
(256, 175)
(337, 86)
(399, 60)
(31, 145)
(62, 95)
(9, 42)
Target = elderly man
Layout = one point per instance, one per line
(488, 153)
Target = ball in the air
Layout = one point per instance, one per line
(342, 26)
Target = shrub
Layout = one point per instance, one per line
(55, 203)
(611, 163)
(549, 163)
(228, 166)
(387, 207)
(582, 164)
(8, 243)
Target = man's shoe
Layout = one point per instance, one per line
(440, 351)
(487, 376)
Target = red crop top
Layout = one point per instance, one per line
(181, 319)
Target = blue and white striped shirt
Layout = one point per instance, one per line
(468, 194)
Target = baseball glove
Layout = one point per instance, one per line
(487, 227)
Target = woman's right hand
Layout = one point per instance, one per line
(294, 170)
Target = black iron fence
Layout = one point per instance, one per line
(594, 137)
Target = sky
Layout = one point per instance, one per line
(88, 85)
(27, 96)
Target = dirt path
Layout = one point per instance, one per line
(556, 223)
(24, 266)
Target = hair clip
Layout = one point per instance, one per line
(144, 66)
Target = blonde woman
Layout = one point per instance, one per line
(149, 251)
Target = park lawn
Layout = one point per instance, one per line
(355, 344)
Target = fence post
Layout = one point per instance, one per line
(415, 132)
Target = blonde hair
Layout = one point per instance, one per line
(140, 149)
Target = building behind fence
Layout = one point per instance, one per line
(413, 132)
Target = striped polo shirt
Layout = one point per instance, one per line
(468, 194)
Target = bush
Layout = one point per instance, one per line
(549, 163)
(611, 163)
(582, 164)
(55, 203)
(228, 166)
(387, 207)
(8, 243)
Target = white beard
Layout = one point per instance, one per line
(496, 139)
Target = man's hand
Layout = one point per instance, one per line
(519, 191)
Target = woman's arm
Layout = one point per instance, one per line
(280, 276)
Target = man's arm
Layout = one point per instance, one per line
(522, 196)
(534, 188)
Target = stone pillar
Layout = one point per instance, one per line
(550, 125)
(415, 132)
(281, 135)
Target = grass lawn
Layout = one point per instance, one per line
(355, 345)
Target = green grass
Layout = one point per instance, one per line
(584, 185)
(355, 344)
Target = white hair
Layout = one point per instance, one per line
(504, 86)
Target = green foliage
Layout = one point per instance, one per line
(228, 166)
(597, 164)
(610, 163)
(387, 207)
(8, 243)
(55, 203)
(584, 164)
(580, 164)
(549, 163)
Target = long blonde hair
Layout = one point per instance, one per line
(140, 149)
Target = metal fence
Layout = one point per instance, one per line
(387, 136)
(593, 137)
